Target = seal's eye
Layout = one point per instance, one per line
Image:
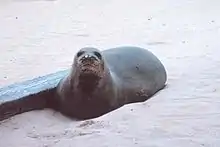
(80, 53)
(98, 55)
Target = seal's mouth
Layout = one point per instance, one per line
(89, 64)
(90, 73)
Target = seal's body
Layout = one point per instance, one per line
(125, 75)
(98, 82)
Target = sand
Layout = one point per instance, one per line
(39, 37)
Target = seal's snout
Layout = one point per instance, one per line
(89, 55)
(88, 58)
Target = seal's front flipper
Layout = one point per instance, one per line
(36, 101)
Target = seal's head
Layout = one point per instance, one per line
(89, 68)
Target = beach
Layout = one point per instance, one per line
(40, 37)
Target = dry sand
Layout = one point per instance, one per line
(39, 37)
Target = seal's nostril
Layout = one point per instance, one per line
(93, 58)
(88, 58)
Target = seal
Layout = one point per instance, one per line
(98, 82)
